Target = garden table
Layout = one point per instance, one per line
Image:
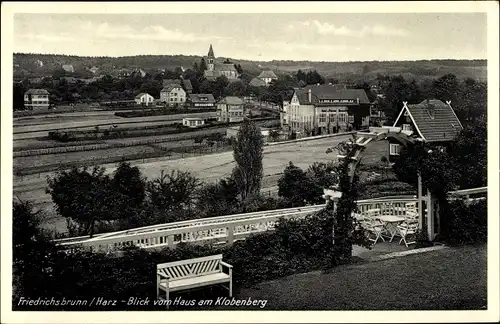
(391, 223)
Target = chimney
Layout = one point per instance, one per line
(309, 93)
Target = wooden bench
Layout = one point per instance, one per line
(192, 273)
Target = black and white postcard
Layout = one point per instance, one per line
(163, 162)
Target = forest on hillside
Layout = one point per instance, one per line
(25, 65)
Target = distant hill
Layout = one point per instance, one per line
(27, 65)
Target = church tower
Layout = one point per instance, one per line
(210, 59)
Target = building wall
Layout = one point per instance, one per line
(36, 102)
(175, 96)
(374, 151)
(146, 99)
(203, 105)
(230, 113)
(193, 122)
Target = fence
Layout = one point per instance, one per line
(227, 229)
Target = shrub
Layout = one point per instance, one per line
(465, 224)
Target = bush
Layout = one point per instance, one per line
(465, 224)
(295, 246)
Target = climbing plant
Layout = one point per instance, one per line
(346, 230)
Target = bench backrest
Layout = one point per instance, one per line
(191, 267)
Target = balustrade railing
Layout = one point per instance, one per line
(230, 228)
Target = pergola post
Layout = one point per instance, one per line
(430, 216)
(420, 203)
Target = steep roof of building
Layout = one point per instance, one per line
(325, 91)
(211, 52)
(225, 67)
(256, 82)
(436, 121)
(202, 97)
(267, 74)
(187, 84)
(170, 87)
(166, 82)
(37, 92)
(141, 94)
(230, 100)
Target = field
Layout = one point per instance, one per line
(83, 157)
(209, 168)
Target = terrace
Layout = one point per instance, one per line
(230, 228)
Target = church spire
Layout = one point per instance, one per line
(211, 52)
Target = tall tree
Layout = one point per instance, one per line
(471, 145)
(129, 181)
(31, 251)
(248, 150)
(295, 186)
(236, 88)
(86, 197)
(218, 199)
(174, 191)
(322, 176)
(203, 65)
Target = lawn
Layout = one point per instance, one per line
(448, 279)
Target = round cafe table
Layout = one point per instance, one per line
(391, 223)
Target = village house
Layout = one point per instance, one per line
(173, 94)
(430, 121)
(230, 110)
(122, 73)
(215, 70)
(144, 99)
(94, 69)
(201, 101)
(36, 99)
(267, 76)
(325, 109)
(68, 68)
(193, 122)
(256, 82)
(139, 72)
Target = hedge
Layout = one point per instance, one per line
(159, 112)
(464, 223)
(294, 247)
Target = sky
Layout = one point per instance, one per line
(261, 37)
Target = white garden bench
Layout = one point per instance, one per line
(192, 273)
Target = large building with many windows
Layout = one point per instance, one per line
(172, 95)
(325, 109)
(230, 110)
(36, 99)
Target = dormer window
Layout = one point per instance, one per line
(407, 128)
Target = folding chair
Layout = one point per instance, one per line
(411, 214)
(407, 229)
(373, 227)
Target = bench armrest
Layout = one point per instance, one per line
(161, 274)
(226, 264)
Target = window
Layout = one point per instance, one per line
(394, 149)
(322, 118)
(407, 127)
